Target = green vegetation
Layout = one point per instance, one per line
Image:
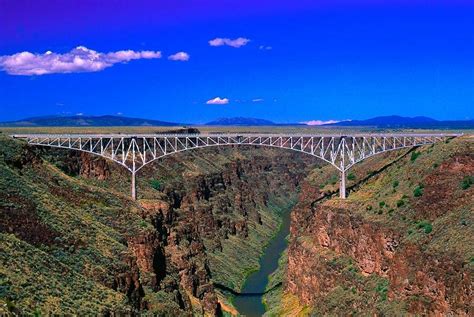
(240, 256)
(351, 176)
(466, 182)
(382, 289)
(156, 184)
(414, 156)
(425, 225)
(395, 184)
(418, 191)
(400, 203)
(333, 179)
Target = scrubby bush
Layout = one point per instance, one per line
(418, 191)
(382, 289)
(425, 225)
(381, 204)
(400, 203)
(467, 181)
(414, 156)
(351, 176)
(395, 184)
(156, 184)
(333, 179)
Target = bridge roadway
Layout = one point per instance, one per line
(134, 151)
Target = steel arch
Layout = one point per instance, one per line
(136, 151)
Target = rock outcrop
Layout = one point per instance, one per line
(341, 255)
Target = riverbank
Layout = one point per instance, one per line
(250, 303)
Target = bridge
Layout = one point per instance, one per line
(134, 152)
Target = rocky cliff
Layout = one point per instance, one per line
(162, 254)
(401, 244)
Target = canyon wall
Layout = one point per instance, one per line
(386, 250)
(158, 257)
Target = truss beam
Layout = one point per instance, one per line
(136, 151)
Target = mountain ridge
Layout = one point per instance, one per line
(86, 120)
(394, 121)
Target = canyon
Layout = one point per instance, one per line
(202, 221)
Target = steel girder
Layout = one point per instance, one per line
(136, 151)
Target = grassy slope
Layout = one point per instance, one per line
(79, 245)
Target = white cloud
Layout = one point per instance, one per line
(319, 122)
(257, 100)
(218, 101)
(265, 47)
(238, 42)
(80, 59)
(180, 56)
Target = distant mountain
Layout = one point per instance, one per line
(405, 122)
(78, 121)
(241, 121)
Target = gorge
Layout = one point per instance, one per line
(202, 222)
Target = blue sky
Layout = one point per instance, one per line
(330, 60)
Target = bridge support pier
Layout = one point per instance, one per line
(342, 185)
(134, 187)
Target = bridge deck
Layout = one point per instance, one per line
(119, 135)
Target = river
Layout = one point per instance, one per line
(251, 305)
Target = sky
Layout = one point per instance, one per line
(197, 60)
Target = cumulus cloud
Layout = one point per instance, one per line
(80, 59)
(238, 42)
(180, 56)
(218, 101)
(319, 122)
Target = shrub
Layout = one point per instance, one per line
(425, 225)
(395, 184)
(382, 289)
(400, 203)
(466, 182)
(418, 191)
(156, 184)
(333, 179)
(351, 176)
(414, 156)
(381, 204)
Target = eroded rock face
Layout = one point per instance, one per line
(444, 283)
(211, 206)
(93, 167)
(426, 282)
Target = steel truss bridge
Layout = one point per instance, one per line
(136, 151)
